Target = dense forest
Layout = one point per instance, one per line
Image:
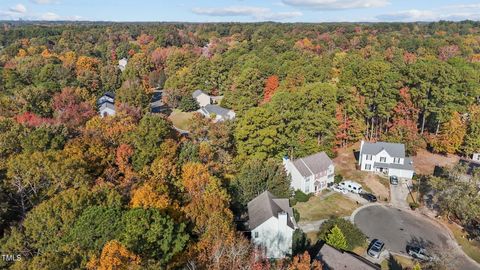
(128, 192)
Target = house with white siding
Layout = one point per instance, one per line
(310, 174)
(271, 223)
(106, 104)
(210, 109)
(387, 158)
(476, 156)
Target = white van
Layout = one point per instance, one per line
(352, 186)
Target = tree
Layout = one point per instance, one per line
(132, 93)
(150, 133)
(115, 256)
(153, 234)
(451, 135)
(303, 262)
(71, 109)
(188, 104)
(472, 139)
(271, 85)
(355, 237)
(417, 267)
(257, 176)
(336, 238)
(146, 197)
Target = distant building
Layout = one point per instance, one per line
(122, 64)
(272, 224)
(476, 156)
(310, 174)
(334, 259)
(156, 104)
(209, 109)
(387, 158)
(106, 104)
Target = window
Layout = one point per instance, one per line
(256, 235)
(368, 157)
(307, 189)
(368, 166)
(383, 159)
(396, 160)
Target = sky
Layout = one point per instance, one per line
(241, 10)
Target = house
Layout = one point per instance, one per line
(202, 98)
(156, 104)
(272, 224)
(122, 64)
(106, 104)
(310, 174)
(387, 158)
(334, 259)
(217, 113)
(476, 156)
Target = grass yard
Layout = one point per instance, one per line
(180, 119)
(397, 263)
(318, 208)
(471, 248)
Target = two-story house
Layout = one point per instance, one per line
(310, 174)
(106, 104)
(272, 224)
(387, 158)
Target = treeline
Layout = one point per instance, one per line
(80, 191)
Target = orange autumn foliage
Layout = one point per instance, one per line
(85, 63)
(146, 197)
(302, 262)
(271, 85)
(115, 257)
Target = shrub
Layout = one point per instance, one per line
(354, 236)
(188, 104)
(301, 197)
(414, 205)
(296, 215)
(338, 178)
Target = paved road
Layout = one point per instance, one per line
(397, 228)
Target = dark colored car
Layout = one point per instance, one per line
(375, 249)
(369, 197)
(393, 180)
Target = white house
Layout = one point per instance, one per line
(476, 156)
(388, 158)
(202, 98)
(217, 113)
(272, 224)
(310, 174)
(122, 64)
(106, 104)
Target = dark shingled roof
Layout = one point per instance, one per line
(393, 149)
(313, 164)
(109, 94)
(337, 259)
(197, 93)
(265, 206)
(408, 165)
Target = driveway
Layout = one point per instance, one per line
(397, 228)
(399, 194)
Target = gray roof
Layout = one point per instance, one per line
(313, 164)
(407, 165)
(337, 259)
(393, 149)
(197, 93)
(106, 104)
(109, 94)
(209, 109)
(265, 206)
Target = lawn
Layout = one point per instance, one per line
(180, 119)
(335, 205)
(471, 248)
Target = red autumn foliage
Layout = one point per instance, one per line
(32, 120)
(71, 109)
(447, 52)
(409, 58)
(271, 85)
(144, 39)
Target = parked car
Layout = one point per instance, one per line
(352, 186)
(340, 189)
(393, 180)
(375, 248)
(418, 253)
(368, 196)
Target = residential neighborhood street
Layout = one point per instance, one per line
(397, 228)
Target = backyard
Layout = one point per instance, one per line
(180, 119)
(345, 165)
(333, 205)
